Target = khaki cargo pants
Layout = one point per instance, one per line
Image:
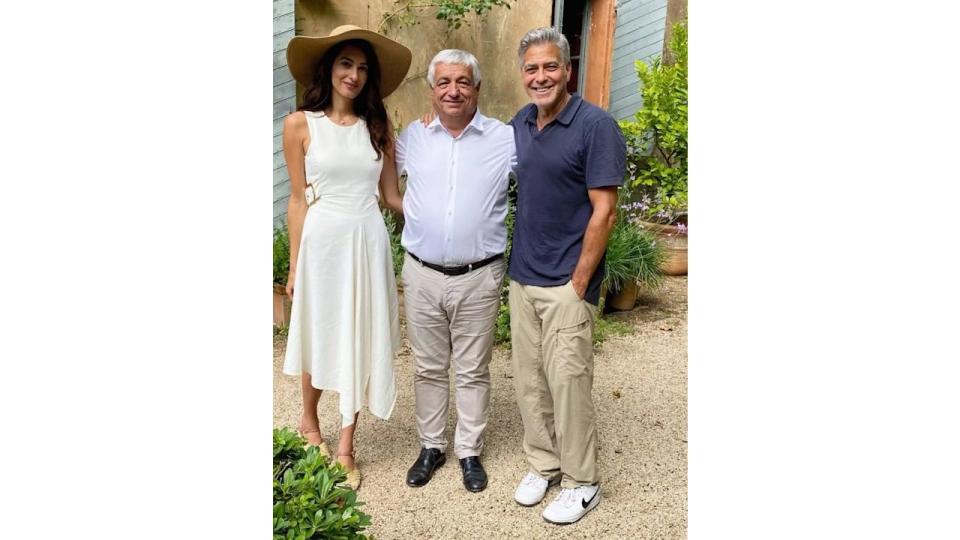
(552, 339)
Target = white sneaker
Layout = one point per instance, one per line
(572, 504)
(531, 489)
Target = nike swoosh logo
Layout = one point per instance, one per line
(586, 503)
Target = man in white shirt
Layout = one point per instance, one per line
(454, 208)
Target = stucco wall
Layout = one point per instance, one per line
(494, 43)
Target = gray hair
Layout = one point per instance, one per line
(546, 34)
(454, 56)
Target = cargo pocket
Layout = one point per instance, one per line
(575, 348)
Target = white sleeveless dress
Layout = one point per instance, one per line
(344, 323)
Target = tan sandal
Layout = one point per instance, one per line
(324, 451)
(353, 475)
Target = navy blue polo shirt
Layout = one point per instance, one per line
(583, 148)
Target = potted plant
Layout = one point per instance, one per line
(281, 267)
(657, 152)
(634, 258)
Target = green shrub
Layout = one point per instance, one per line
(395, 230)
(281, 255)
(657, 137)
(309, 498)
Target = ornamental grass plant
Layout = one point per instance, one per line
(633, 254)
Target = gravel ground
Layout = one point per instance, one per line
(640, 390)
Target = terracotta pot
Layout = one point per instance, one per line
(624, 299)
(675, 246)
(281, 306)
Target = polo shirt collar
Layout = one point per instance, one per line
(565, 116)
(570, 110)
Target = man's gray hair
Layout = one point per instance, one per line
(546, 34)
(454, 56)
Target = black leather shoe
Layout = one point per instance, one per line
(474, 477)
(423, 468)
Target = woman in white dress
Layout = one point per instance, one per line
(339, 149)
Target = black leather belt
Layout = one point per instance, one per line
(456, 270)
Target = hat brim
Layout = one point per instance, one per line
(304, 54)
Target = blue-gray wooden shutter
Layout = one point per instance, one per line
(284, 102)
(639, 36)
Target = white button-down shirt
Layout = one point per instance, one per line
(455, 202)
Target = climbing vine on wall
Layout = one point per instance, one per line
(452, 12)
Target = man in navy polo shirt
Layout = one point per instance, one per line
(571, 160)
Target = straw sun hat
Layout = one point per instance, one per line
(304, 54)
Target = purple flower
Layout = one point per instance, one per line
(681, 228)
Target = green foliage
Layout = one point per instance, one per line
(657, 137)
(309, 498)
(395, 230)
(452, 12)
(287, 448)
(632, 252)
(502, 333)
(608, 326)
(281, 255)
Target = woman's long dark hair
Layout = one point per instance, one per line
(367, 105)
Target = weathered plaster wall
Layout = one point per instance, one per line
(494, 42)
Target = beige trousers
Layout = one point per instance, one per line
(451, 316)
(552, 338)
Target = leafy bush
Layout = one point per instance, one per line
(281, 255)
(657, 137)
(309, 498)
(394, 229)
